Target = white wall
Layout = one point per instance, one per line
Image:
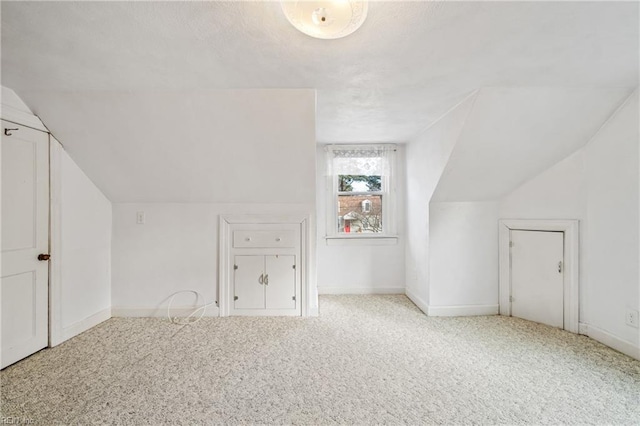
(559, 192)
(515, 133)
(13, 109)
(426, 158)
(361, 266)
(613, 225)
(10, 100)
(260, 159)
(81, 249)
(80, 266)
(200, 146)
(597, 185)
(175, 249)
(463, 247)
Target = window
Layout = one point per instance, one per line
(361, 191)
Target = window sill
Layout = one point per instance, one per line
(361, 240)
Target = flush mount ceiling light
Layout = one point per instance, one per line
(327, 19)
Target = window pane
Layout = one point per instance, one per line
(359, 183)
(359, 214)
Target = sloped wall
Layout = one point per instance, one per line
(426, 158)
(598, 185)
(513, 134)
(612, 247)
(559, 192)
(83, 218)
(216, 146)
(510, 136)
(257, 158)
(80, 277)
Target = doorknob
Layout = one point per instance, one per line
(44, 256)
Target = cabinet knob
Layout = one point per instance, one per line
(43, 257)
(278, 239)
(247, 239)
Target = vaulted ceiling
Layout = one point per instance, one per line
(408, 64)
(513, 134)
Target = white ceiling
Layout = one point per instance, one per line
(408, 64)
(513, 134)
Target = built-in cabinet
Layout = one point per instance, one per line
(264, 282)
(264, 263)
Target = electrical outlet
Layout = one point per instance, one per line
(631, 317)
(140, 218)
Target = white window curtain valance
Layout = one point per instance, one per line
(360, 160)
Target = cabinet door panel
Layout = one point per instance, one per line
(281, 287)
(247, 282)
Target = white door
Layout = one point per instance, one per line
(280, 283)
(537, 282)
(25, 235)
(248, 282)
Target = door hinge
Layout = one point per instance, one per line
(293, 298)
(510, 243)
(511, 299)
(235, 297)
(235, 266)
(560, 267)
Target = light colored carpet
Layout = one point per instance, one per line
(365, 360)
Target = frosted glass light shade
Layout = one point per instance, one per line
(327, 19)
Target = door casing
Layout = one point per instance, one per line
(570, 228)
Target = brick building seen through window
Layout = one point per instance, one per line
(358, 217)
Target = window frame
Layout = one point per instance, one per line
(387, 194)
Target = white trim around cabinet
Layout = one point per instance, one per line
(227, 222)
(570, 228)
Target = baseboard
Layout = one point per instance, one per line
(145, 312)
(462, 310)
(84, 325)
(421, 304)
(583, 329)
(610, 340)
(361, 290)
